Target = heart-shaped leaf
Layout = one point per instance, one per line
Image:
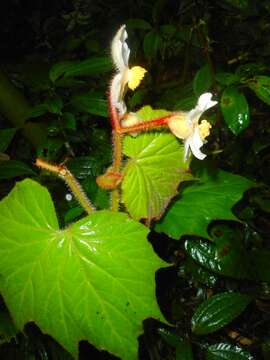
(94, 280)
(154, 170)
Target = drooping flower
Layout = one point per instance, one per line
(125, 76)
(186, 126)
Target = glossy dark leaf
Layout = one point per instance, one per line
(198, 273)
(227, 351)
(232, 262)
(235, 109)
(218, 311)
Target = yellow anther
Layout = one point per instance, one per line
(135, 76)
(204, 129)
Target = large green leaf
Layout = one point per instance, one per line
(218, 311)
(227, 352)
(201, 202)
(154, 170)
(94, 280)
(235, 109)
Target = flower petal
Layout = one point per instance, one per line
(196, 143)
(120, 50)
(204, 103)
(186, 148)
(116, 93)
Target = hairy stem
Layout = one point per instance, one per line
(70, 180)
(146, 125)
(113, 113)
(116, 166)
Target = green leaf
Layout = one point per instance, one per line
(151, 44)
(197, 273)
(227, 352)
(135, 23)
(37, 111)
(201, 202)
(232, 261)
(69, 121)
(240, 4)
(6, 136)
(235, 109)
(92, 66)
(73, 213)
(90, 102)
(54, 105)
(202, 80)
(183, 349)
(84, 166)
(261, 86)
(218, 311)
(226, 78)
(154, 170)
(93, 280)
(13, 168)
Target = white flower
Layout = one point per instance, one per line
(124, 76)
(186, 126)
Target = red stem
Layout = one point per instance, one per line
(113, 113)
(146, 125)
